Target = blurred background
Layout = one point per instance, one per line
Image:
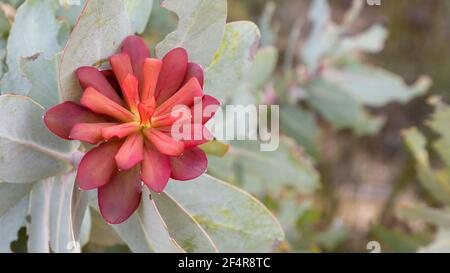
(365, 178)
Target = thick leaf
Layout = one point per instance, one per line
(264, 173)
(57, 210)
(439, 123)
(436, 183)
(321, 37)
(35, 30)
(41, 74)
(200, 29)
(341, 108)
(145, 231)
(236, 221)
(370, 41)
(70, 12)
(101, 28)
(10, 223)
(186, 231)
(215, 148)
(262, 67)
(374, 86)
(28, 150)
(441, 243)
(232, 60)
(139, 13)
(301, 126)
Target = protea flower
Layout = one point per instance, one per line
(128, 113)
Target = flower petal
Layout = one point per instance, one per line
(138, 51)
(208, 109)
(111, 77)
(171, 118)
(121, 64)
(119, 131)
(131, 152)
(61, 118)
(199, 135)
(131, 92)
(120, 197)
(101, 104)
(185, 96)
(89, 132)
(155, 169)
(97, 166)
(190, 165)
(195, 71)
(151, 70)
(91, 77)
(164, 142)
(172, 74)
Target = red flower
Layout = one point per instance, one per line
(128, 112)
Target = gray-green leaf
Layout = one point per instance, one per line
(200, 28)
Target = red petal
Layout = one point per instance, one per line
(195, 71)
(169, 119)
(111, 77)
(155, 169)
(172, 74)
(131, 91)
(131, 152)
(97, 166)
(164, 143)
(100, 104)
(199, 135)
(190, 165)
(151, 70)
(185, 96)
(91, 77)
(210, 105)
(121, 196)
(61, 118)
(89, 132)
(121, 64)
(138, 51)
(119, 131)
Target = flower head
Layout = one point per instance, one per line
(129, 113)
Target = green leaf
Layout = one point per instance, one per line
(234, 220)
(321, 37)
(145, 230)
(370, 41)
(262, 67)
(200, 29)
(436, 183)
(28, 150)
(439, 123)
(438, 217)
(441, 243)
(185, 230)
(11, 194)
(232, 60)
(340, 108)
(215, 148)
(70, 12)
(300, 125)
(101, 28)
(139, 12)
(41, 74)
(57, 210)
(11, 222)
(374, 86)
(266, 172)
(35, 30)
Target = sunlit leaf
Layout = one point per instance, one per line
(200, 28)
(234, 220)
(35, 30)
(232, 60)
(28, 150)
(101, 28)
